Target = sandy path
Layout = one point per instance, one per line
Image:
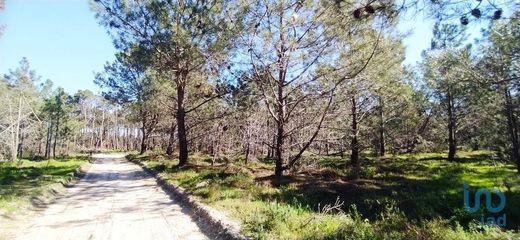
(115, 200)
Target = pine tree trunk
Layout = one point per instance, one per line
(15, 133)
(127, 139)
(181, 125)
(247, 152)
(40, 147)
(271, 142)
(512, 128)
(102, 131)
(183, 143)
(143, 147)
(279, 147)
(280, 105)
(92, 133)
(169, 149)
(452, 140)
(280, 128)
(116, 133)
(56, 136)
(216, 149)
(354, 144)
(20, 145)
(381, 130)
(48, 141)
(248, 144)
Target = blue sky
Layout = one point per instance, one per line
(60, 38)
(64, 43)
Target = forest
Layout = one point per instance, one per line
(295, 114)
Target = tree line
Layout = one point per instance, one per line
(282, 80)
(40, 121)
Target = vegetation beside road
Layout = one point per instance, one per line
(412, 196)
(22, 181)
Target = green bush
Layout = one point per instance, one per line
(412, 196)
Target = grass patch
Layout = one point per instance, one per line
(22, 180)
(412, 196)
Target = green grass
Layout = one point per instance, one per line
(22, 180)
(412, 196)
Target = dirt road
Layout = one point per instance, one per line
(115, 200)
